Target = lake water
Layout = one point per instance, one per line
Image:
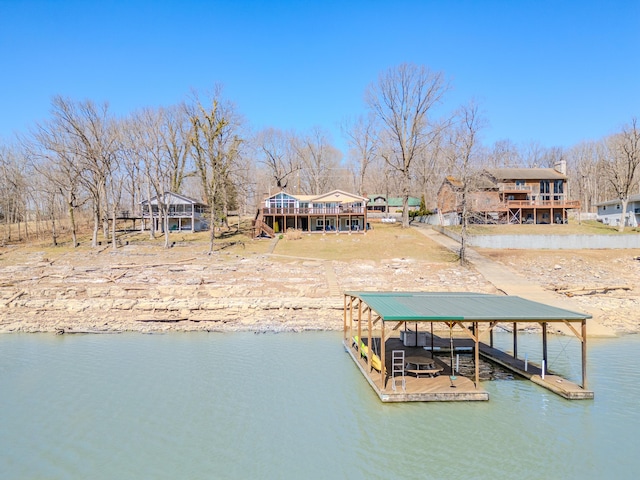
(241, 405)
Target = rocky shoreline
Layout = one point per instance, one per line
(134, 290)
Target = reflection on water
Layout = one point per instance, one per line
(294, 406)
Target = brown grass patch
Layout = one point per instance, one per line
(383, 242)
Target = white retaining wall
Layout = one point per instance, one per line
(549, 242)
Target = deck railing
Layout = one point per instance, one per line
(543, 203)
(156, 214)
(312, 211)
(515, 187)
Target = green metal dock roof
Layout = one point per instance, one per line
(461, 306)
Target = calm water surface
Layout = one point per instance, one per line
(190, 406)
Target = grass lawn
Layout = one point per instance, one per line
(385, 241)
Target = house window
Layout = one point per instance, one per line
(617, 207)
(558, 186)
(282, 201)
(544, 189)
(520, 184)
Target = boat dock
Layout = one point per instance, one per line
(402, 365)
(440, 387)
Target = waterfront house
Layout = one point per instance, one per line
(185, 214)
(335, 211)
(510, 195)
(380, 203)
(610, 212)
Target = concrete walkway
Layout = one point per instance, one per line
(512, 283)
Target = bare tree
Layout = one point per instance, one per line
(403, 100)
(90, 136)
(150, 148)
(429, 170)
(463, 150)
(585, 161)
(175, 134)
(13, 192)
(276, 152)
(215, 145)
(319, 161)
(362, 137)
(53, 155)
(533, 155)
(504, 153)
(621, 168)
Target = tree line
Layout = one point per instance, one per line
(85, 164)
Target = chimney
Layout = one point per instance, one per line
(561, 166)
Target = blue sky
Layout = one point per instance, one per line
(555, 72)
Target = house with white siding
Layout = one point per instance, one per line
(185, 214)
(610, 212)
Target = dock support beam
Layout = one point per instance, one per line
(476, 350)
(544, 347)
(584, 354)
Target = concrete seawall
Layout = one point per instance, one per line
(548, 242)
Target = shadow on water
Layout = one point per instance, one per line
(464, 366)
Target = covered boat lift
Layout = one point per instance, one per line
(477, 314)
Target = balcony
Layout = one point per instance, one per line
(515, 187)
(537, 203)
(312, 211)
(176, 213)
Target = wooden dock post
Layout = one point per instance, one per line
(584, 354)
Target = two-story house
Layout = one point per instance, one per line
(510, 195)
(184, 213)
(336, 211)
